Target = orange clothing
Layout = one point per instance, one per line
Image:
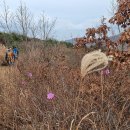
(10, 58)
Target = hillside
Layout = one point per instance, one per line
(54, 68)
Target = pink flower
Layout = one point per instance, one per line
(29, 74)
(23, 83)
(105, 71)
(50, 96)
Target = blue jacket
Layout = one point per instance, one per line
(15, 51)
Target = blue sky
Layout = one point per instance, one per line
(73, 16)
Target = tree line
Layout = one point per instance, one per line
(23, 22)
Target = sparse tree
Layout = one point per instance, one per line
(34, 29)
(46, 26)
(6, 18)
(23, 19)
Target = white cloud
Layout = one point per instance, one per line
(68, 29)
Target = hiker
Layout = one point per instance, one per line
(15, 52)
(9, 56)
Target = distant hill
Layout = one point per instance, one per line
(113, 38)
(71, 40)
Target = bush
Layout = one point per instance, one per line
(12, 38)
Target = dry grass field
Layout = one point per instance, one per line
(43, 69)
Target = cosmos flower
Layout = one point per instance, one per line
(50, 96)
(106, 71)
(29, 74)
(23, 83)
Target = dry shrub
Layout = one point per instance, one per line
(2, 53)
(24, 105)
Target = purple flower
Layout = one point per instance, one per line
(23, 83)
(106, 71)
(50, 96)
(29, 74)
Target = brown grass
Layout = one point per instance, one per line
(57, 69)
(2, 53)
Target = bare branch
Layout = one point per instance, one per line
(46, 26)
(23, 19)
(6, 18)
(34, 29)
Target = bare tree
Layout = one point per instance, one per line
(23, 19)
(6, 18)
(34, 29)
(22, 22)
(46, 26)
